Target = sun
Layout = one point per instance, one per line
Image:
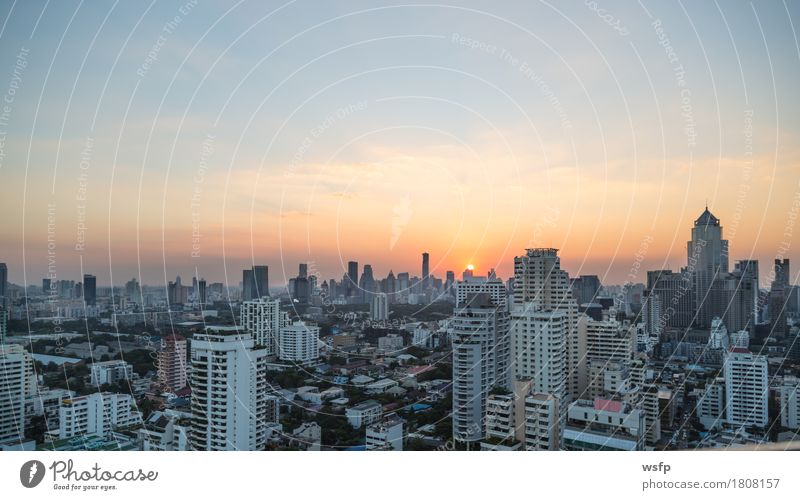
(470, 267)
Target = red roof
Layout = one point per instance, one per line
(607, 404)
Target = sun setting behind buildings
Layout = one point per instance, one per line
(351, 226)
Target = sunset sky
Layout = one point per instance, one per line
(374, 131)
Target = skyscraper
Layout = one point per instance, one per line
(674, 291)
(172, 363)
(3, 283)
(229, 391)
(263, 319)
(540, 349)
(90, 289)
(707, 258)
(201, 291)
(261, 281)
(379, 307)
(16, 370)
(248, 284)
(425, 270)
(538, 278)
(366, 284)
(352, 278)
(746, 388)
(476, 328)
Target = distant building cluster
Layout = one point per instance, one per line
(699, 357)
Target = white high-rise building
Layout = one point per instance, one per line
(539, 349)
(110, 372)
(96, 414)
(476, 329)
(299, 343)
(263, 319)
(542, 422)
(606, 351)
(16, 373)
(379, 307)
(651, 316)
(229, 391)
(711, 405)
(790, 403)
(538, 278)
(479, 284)
(746, 388)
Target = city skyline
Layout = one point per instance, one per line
(635, 275)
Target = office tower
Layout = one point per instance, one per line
(300, 287)
(16, 377)
(476, 329)
(425, 271)
(390, 286)
(90, 289)
(229, 391)
(261, 281)
(538, 278)
(782, 272)
(352, 278)
(746, 388)
(379, 307)
(779, 295)
(299, 343)
(366, 284)
(201, 292)
(171, 364)
(710, 407)
(539, 348)
(3, 284)
(263, 319)
(248, 284)
(734, 296)
(449, 282)
(707, 259)
(467, 273)
(651, 315)
(46, 283)
(585, 288)
(674, 291)
(96, 414)
(478, 284)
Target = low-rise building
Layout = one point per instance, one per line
(386, 435)
(364, 413)
(110, 372)
(96, 414)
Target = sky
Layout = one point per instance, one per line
(198, 138)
